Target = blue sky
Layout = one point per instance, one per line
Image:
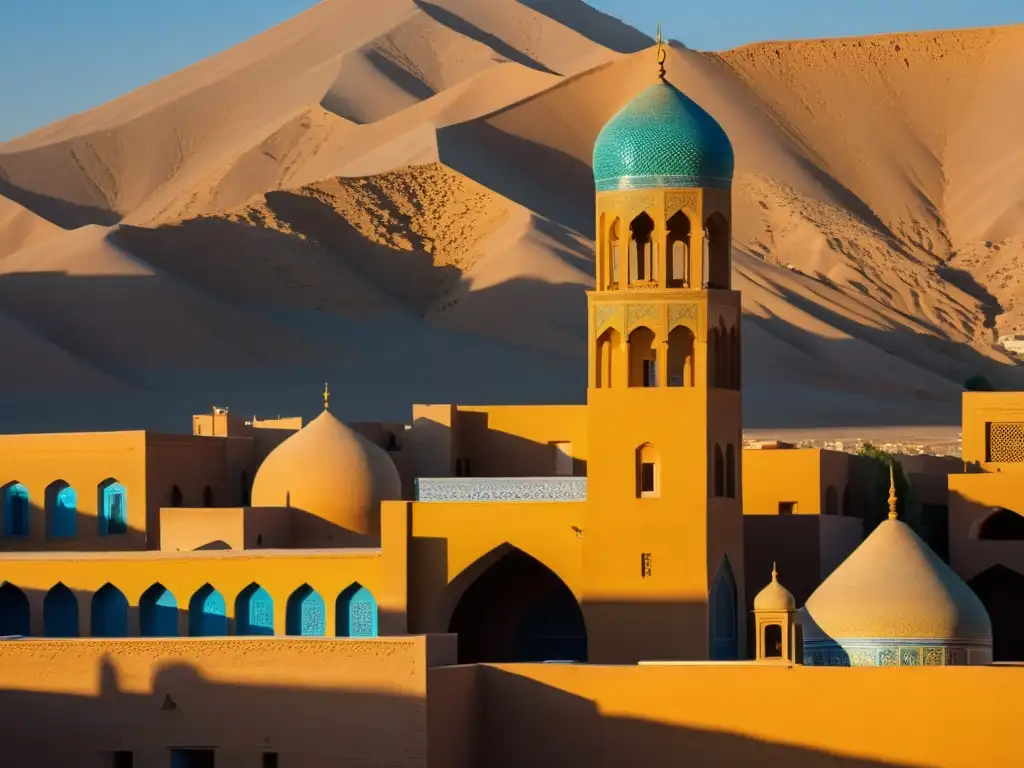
(58, 57)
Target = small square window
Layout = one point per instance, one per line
(270, 760)
(122, 759)
(787, 507)
(648, 477)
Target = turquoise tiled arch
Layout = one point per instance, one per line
(662, 139)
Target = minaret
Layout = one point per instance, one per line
(663, 396)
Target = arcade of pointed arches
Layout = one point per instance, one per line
(638, 254)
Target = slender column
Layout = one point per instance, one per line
(662, 357)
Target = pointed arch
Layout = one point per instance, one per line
(677, 247)
(681, 345)
(609, 349)
(730, 472)
(109, 613)
(648, 480)
(61, 510)
(723, 623)
(305, 613)
(1000, 524)
(355, 612)
(718, 238)
(60, 612)
(176, 498)
(17, 511)
(642, 257)
(207, 613)
(254, 611)
(643, 358)
(719, 472)
(158, 612)
(112, 508)
(14, 611)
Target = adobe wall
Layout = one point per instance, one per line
(314, 702)
(773, 476)
(738, 715)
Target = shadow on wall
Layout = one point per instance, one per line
(186, 710)
(568, 730)
(65, 529)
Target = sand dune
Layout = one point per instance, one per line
(393, 195)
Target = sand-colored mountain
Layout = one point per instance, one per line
(399, 198)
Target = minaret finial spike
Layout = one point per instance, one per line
(661, 55)
(892, 492)
(327, 397)
(775, 572)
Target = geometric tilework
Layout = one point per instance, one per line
(1006, 442)
(500, 489)
(894, 653)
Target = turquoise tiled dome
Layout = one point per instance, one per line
(662, 138)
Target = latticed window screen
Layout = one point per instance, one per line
(361, 619)
(1006, 441)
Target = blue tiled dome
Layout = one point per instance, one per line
(662, 138)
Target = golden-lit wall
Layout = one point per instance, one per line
(813, 479)
(519, 441)
(280, 572)
(1001, 446)
(183, 529)
(742, 715)
(314, 703)
(83, 460)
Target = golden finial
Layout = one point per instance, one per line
(775, 573)
(892, 493)
(661, 55)
(327, 397)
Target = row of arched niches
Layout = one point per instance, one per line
(205, 613)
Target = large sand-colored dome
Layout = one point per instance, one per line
(662, 139)
(331, 472)
(894, 602)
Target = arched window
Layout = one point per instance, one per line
(680, 357)
(608, 351)
(773, 641)
(831, 501)
(113, 508)
(648, 472)
(16, 509)
(176, 497)
(643, 359)
(1002, 525)
(254, 611)
(719, 472)
(614, 258)
(735, 357)
(61, 511)
(730, 472)
(60, 612)
(723, 624)
(158, 612)
(305, 613)
(678, 244)
(109, 612)
(14, 611)
(641, 249)
(356, 613)
(207, 613)
(717, 236)
(207, 496)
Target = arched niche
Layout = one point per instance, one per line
(643, 358)
(717, 236)
(772, 641)
(609, 348)
(61, 510)
(613, 263)
(1001, 524)
(642, 249)
(681, 357)
(648, 472)
(677, 245)
(723, 623)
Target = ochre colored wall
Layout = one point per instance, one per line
(83, 460)
(738, 714)
(774, 475)
(183, 529)
(315, 703)
(980, 408)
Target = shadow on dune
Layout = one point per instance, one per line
(64, 214)
(601, 28)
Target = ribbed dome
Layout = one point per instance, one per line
(662, 139)
(331, 472)
(895, 591)
(774, 597)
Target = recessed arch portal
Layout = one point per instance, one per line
(356, 613)
(305, 613)
(254, 611)
(643, 358)
(517, 609)
(607, 358)
(207, 613)
(60, 612)
(642, 249)
(109, 612)
(14, 611)
(678, 249)
(158, 612)
(680, 357)
(722, 614)
(999, 588)
(61, 510)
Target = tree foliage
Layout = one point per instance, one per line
(878, 508)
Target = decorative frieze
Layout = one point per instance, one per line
(480, 489)
(639, 314)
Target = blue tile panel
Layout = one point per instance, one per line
(907, 652)
(501, 489)
(662, 139)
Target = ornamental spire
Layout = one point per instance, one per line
(892, 493)
(661, 55)
(327, 397)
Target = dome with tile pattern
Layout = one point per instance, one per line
(662, 139)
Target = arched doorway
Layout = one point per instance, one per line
(722, 615)
(519, 610)
(1000, 588)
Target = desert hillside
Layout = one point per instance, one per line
(397, 197)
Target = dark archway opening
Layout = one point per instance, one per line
(1002, 525)
(519, 610)
(1000, 588)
